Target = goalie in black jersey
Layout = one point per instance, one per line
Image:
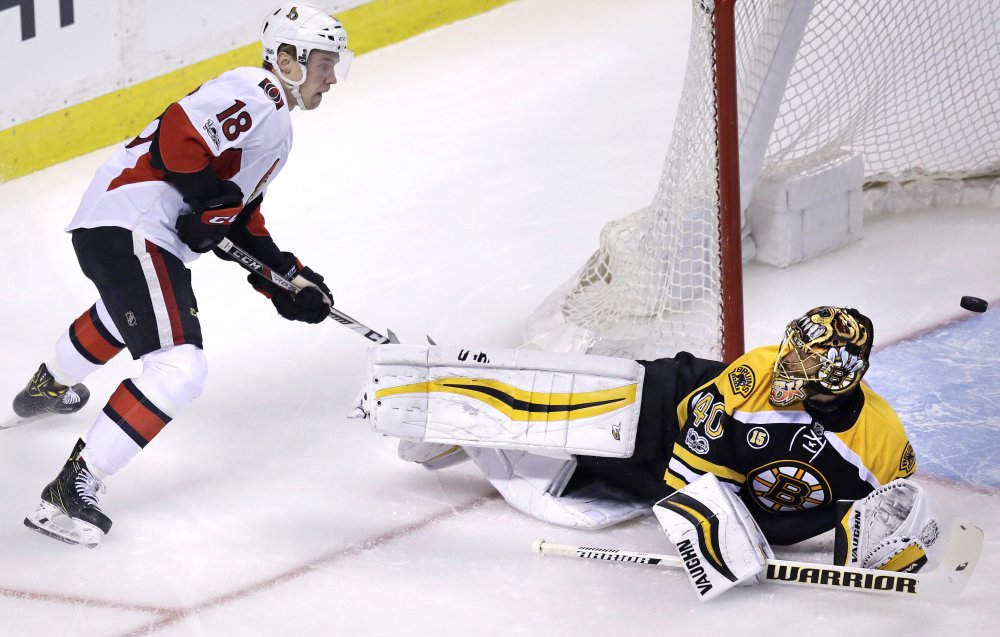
(790, 428)
(785, 442)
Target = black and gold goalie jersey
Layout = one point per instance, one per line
(788, 464)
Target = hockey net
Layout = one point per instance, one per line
(910, 86)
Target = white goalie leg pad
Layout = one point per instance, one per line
(892, 529)
(534, 484)
(716, 537)
(549, 404)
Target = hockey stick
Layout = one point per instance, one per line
(965, 542)
(253, 265)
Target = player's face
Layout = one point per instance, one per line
(794, 367)
(323, 70)
(799, 365)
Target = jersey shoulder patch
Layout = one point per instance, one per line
(237, 107)
(742, 380)
(908, 461)
(747, 378)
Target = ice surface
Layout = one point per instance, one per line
(453, 182)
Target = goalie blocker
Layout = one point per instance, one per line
(715, 535)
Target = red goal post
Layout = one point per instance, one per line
(877, 106)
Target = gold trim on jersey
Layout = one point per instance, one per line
(524, 405)
(744, 387)
(704, 466)
(879, 445)
(700, 466)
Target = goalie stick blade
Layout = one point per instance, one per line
(961, 554)
(393, 339)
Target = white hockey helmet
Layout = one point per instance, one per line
(307, 28)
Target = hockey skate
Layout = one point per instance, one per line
(44, 396)
(68, 511)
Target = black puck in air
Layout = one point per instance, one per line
(974, 304)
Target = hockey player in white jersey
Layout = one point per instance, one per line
(195, 175)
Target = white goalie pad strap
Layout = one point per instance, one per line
(533, 485)
(550, 404)
(716, 537)
(431, 455)
(892, 529)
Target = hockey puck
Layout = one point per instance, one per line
(974, 304)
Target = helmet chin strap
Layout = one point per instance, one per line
(293, 85)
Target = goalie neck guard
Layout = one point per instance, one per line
(826, 351)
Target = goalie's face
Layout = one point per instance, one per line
(793, 369)
(824, 353)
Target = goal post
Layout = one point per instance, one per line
(730, 342)
(797, 119)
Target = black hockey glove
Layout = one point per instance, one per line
(209, 220)
(310, 305)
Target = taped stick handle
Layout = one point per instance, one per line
(251, 263)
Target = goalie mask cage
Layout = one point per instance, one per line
(779, 87)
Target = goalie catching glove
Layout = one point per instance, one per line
(311, 304)
(715, 535)
(209, 220)
(891, 529)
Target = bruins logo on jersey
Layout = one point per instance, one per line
(742, 380)
(788, 485)
(908, 461)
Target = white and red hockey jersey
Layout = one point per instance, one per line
(238, 122)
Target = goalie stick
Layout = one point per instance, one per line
(249, 262)
(965, 542)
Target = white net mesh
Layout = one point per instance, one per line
(910, 85)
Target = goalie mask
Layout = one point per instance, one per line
(825, 351)
(306, 28)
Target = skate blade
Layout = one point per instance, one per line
(51, 521)
(13, 420)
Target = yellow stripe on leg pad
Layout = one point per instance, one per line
(523, 405)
